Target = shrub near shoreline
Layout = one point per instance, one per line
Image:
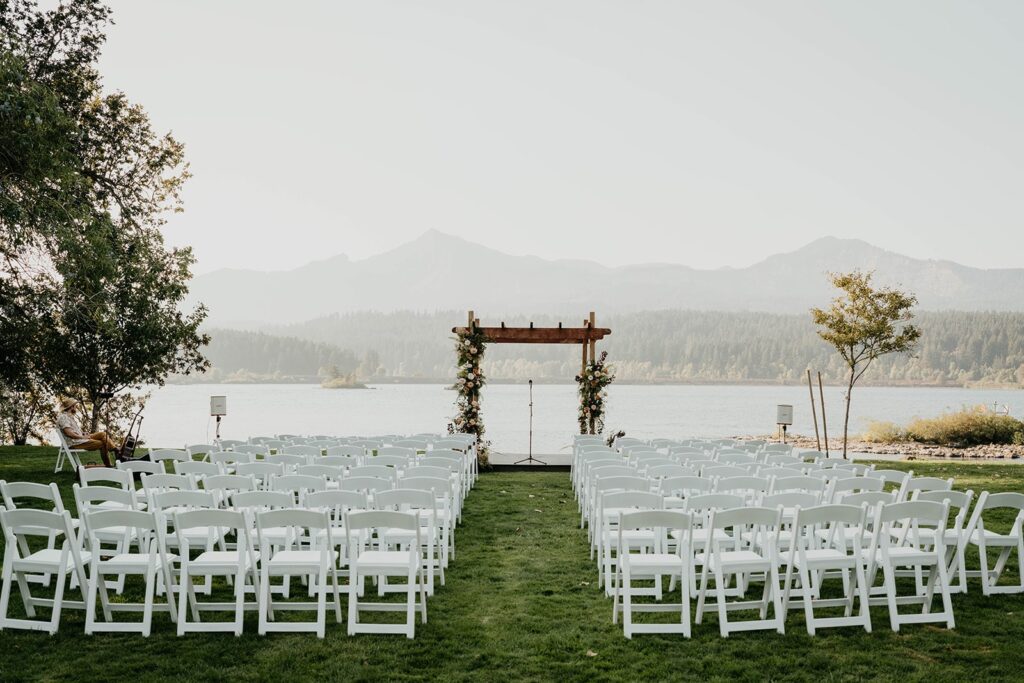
(968, 427)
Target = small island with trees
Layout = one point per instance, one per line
(336, 379)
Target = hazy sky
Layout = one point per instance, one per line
(704, 133)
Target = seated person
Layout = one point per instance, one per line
(72, 431)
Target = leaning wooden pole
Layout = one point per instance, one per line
(814, 412)
(593, 342)
(585, 345)
(824, 422)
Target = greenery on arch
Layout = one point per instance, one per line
(593, 383)
(469, 380)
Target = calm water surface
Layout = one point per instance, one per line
(179, 414)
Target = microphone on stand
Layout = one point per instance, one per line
(529, 459)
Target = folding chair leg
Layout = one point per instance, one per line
(947, 601)
(410, 605)
(890, 596)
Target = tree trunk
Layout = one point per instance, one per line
(846, 418)
(94, 417)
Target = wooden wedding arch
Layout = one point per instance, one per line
(586, 336)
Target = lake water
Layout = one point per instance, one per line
(179, 414)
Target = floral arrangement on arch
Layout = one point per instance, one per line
(469, 380)
(592, 389)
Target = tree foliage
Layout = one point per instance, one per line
(863, 324)
(90, 295)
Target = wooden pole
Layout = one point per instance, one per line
(593, 342)
(814, 412)
(469, 323)
(824, 422)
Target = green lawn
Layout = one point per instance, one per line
(522, 603)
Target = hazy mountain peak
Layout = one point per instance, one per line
(440, 271)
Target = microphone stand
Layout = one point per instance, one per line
(529, 459)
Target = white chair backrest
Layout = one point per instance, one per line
(201, 448)
(11, 491)
(366, 484)
(139, 466)
(230, 457)
(720, 471)
(105, 475)
(349, 449)
(379, 471)
(308, 451)
(197, 469)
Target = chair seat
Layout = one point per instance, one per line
(910, 556)
(294, 557)
(994, 538)
(699, 537)
(47, 559)
(950, 537)
(736, 559)
(648, 561)
(390, 559)
(221, 558)
(632, 536)
(114, 505)
(133, 562)
(825, 556)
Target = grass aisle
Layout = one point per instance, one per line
(522, 603)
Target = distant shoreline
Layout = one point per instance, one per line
(624, 382)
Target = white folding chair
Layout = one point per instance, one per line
(28, 494)
(743, 561)
(65, 453)
(985, 538)
(812, 554)
(365, 561)
(240, 564)
(336, 503)
(21, 563)
(423, 504)
(150, 561)
(611, 506)
(653, 562)
(315, 560)
(898, 543)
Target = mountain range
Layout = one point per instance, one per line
(441, 272)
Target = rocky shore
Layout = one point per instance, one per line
(906, 450)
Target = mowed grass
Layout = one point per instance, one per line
(522, 603)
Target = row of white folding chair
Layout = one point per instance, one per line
(306, 551)
(748, 548)
(679, 483)
(126, 531)
(656, 468)
(957, 535)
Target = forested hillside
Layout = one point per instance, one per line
(671, 346)
(238, 356)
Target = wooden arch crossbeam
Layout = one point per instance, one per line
(586, 336)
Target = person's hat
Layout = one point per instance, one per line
(68, 403)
